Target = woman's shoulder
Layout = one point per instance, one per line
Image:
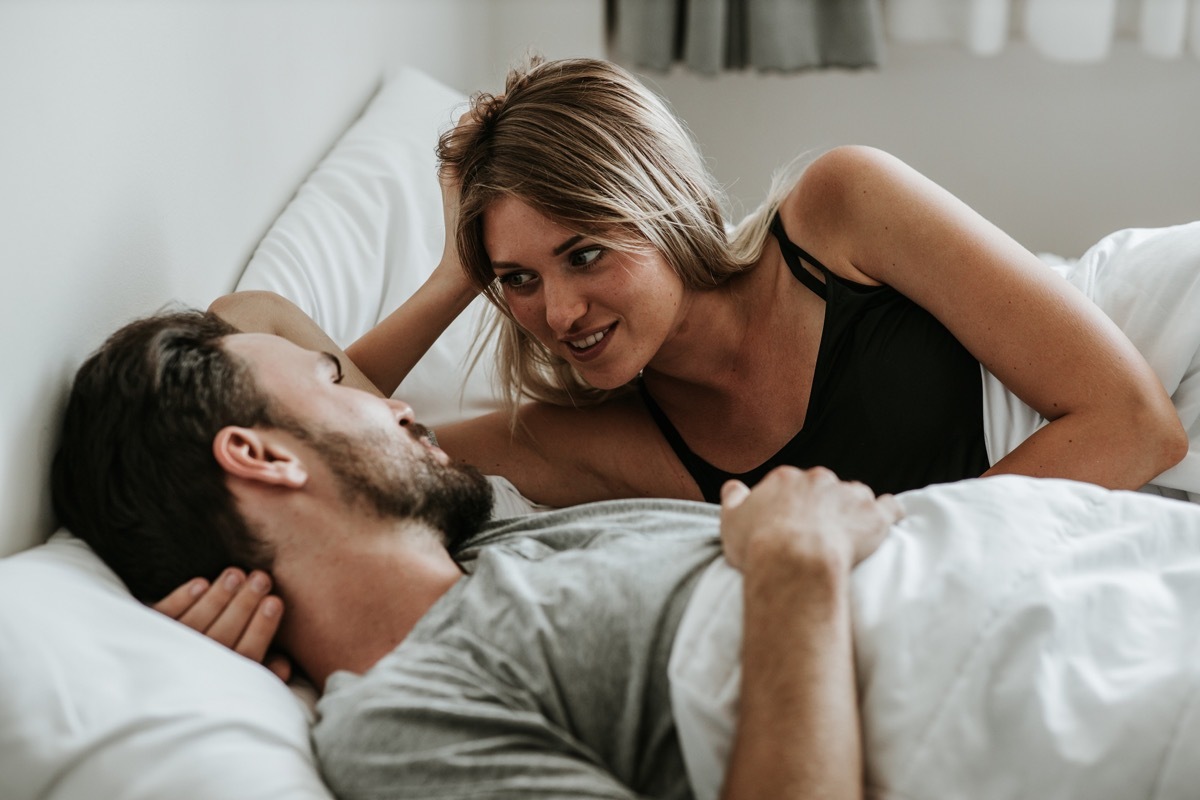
(829, 207)
(837, 179)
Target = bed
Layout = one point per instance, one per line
(102, 697)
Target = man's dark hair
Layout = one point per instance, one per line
(135, 475)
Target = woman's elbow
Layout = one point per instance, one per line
(1175, 443)
(1161, 436)
(256, 311)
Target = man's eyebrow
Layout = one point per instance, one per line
(558, 251)
(336, 362)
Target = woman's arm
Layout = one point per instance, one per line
(389, 351)
(565, 456)
(267, 312)
(878, 220)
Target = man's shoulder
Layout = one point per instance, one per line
(577, 526)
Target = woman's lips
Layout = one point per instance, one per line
(591, 346)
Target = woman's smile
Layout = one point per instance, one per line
(591, 346)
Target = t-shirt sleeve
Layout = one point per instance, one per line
(485, 769)
(432, 740)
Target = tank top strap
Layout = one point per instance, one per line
(795, 255)
(707, 477)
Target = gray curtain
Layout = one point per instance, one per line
(778, 35)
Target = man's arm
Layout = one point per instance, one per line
(795, 539)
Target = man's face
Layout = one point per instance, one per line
(379, 455)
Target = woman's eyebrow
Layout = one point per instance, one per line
(558, 251)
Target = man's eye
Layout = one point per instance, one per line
(586, 257)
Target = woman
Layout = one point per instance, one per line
(841, 324)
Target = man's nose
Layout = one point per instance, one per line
(402, 411)
(565, 305)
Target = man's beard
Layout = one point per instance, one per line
(390, 481)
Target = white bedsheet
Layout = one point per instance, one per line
(1015, 638)
(1147, 280)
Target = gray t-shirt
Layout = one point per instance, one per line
(541, 674)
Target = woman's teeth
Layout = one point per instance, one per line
(588, 341)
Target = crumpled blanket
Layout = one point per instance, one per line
(1147, 280)
(1014, 638)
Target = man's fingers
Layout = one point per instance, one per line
(235, 611)
(201, 615)
(176, 604)
(886, 512)
(891, 508)
(231, 623)
(280, 665)
(733, 493)
(260, 630)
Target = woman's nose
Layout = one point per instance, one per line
(564, 305)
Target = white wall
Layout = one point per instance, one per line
(145, 147)
(1056, 154)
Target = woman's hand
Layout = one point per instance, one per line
(451, 184)
(448, 179)
(236, 610)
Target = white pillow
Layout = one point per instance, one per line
(365, 230)
(104, 697)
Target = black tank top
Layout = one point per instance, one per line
(896, 401)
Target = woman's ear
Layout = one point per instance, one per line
(251, 454)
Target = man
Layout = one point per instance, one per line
(188, 446)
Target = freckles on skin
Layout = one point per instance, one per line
(633, 294)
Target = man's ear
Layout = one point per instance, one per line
(249, 454)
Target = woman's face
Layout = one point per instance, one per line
(606, 312)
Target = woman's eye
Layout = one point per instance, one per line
(516, 280)
(586, 257)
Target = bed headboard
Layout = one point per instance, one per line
(146, 148)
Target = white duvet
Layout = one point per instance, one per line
(1015, 638)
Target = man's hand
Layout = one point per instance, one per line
(236, 611)
(806, 512)
(795, 538)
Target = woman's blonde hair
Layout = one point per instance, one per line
(585, 144)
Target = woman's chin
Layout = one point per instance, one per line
(607, 380)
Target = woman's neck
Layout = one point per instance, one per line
(728, 330)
